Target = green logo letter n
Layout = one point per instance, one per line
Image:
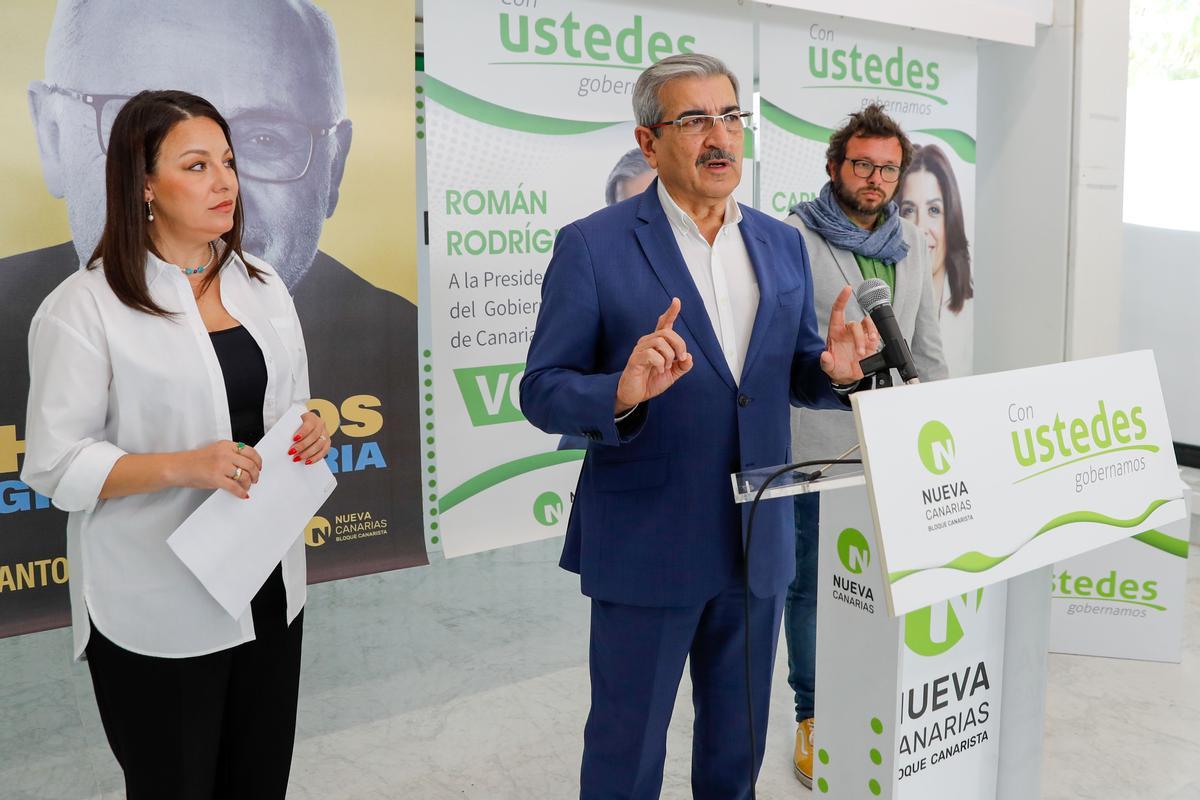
(935, 446)
(853, 551)
(548, 508)
(935, 629)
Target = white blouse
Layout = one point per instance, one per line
(106, 380)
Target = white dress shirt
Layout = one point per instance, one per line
(106, 380)
(723, 275)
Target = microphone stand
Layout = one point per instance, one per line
(881, 365)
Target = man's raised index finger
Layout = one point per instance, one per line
(668, 317)
(838, 316)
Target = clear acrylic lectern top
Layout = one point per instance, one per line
(839, 476)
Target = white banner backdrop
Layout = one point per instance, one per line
(815, 70)
(1126, 600)
(979, 479)
(529, 111)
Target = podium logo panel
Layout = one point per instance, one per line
(935, 446)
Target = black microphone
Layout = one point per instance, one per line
(876, 300)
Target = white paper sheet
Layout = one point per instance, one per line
(232, 545)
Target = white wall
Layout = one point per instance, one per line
(1023, 198)
(1160, 288)
(1160, 280)
(1097, 181)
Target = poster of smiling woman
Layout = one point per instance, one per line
(322, 132)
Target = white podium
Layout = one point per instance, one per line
(933, 610)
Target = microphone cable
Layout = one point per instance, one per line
(823, 463)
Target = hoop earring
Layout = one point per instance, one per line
(149, 212)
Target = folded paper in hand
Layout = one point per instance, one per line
(232, 545)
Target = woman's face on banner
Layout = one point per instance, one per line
(194, 187)
(921, 203)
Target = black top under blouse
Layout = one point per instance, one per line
(245, 374)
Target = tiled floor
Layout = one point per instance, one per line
(468, 680)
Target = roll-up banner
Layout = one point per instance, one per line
(321, 106)
(530, 126)
(815, 70)
(1126, 600)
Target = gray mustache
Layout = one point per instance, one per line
(716, 154)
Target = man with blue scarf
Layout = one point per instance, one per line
(852, 231)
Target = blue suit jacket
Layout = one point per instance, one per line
(654, 522)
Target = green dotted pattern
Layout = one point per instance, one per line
(876, 757)
(873, 785)
(431, 454)
(823, 757)
(420, 111)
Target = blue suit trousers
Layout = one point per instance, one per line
(637, 658)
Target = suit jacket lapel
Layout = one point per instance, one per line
(658, 243)
(761, 259)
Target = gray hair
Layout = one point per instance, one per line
(647, 108)
(631, 165)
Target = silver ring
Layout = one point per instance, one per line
(237, 473)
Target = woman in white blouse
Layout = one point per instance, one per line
(153, 372)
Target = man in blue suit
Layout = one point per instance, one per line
(671, 403)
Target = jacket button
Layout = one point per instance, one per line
(743, 400)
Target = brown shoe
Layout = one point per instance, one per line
(802, 761)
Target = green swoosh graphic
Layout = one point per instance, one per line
(1106, 600)
(1161, 541)
(961, 143)
(502, 117)
(502, 472)
(1152, 448)
(975, 562)
(793, 124)
(874, 88)
(958, 141)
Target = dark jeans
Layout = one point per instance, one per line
(800, 610)
(213, 727)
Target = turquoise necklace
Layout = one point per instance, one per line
(212, 250)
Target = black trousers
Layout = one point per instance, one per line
(213, 727)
